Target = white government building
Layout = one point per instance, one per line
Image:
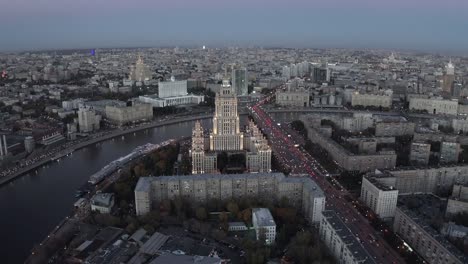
(172, 93)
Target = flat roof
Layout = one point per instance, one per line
(184, 259)
(154, 243)
(347, 237)
(263, 216)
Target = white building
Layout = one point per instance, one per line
(380, 198)
(155, 101)
(121, 115)
(460, 125)
(340, 241)
(378, 100)
(434, 105)
(264, 225)
(172, 88)
(172, 93)
(88, 120)
(102, 202)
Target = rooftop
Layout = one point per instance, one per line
(427, 207)
(373, 178)
(184, 259)
(102, 199)
(263, 216)
(347, 237)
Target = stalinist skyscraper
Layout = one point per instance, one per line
(227, 137)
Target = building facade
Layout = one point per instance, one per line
(449, 152)
(382, 199)
(240, 81)
(298, 98)
(121, 115)
(301, 191)
(227, 137)
(264, 225)
(340, 241)
(88, 120)
(422, 238)
(429, 180)
(434, 105)
(172, 88)
(347, 160)
(102, 202)
(420, 153)
(377, 100)
(155, 101)
(388, 129)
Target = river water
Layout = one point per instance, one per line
(34, 204)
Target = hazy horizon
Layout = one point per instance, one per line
(427, 26)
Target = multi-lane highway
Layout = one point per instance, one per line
(286, 150)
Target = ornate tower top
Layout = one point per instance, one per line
(450, 68)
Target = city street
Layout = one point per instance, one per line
(287, 151)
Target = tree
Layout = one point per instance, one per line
(233, 208)
(201, 213)
(166, 206)
(223, 217)
(246, 215)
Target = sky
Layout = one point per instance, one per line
(426, 25)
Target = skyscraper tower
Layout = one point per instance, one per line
(227, 137)
(226, 133)
(140, 72)
(448, 78)
(239, 80)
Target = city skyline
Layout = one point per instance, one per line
(398, 25)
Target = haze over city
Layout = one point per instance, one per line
(243, 132)
(414, 25)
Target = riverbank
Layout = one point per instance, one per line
(116, 133)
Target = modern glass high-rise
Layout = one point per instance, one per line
(239, 81)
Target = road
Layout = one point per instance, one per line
(292, 156)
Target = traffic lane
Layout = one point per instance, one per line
(284, 140)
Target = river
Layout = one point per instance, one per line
(34, 204)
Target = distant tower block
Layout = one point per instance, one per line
(29, 144)
(3, 146)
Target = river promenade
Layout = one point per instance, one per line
(113, 134)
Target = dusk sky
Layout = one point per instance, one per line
(399, 24)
